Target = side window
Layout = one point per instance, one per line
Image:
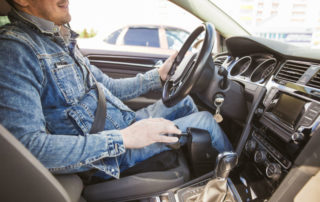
(112, 38)
(142, 37)
(4, 20)
(176, 38)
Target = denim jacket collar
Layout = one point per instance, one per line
(40, 24)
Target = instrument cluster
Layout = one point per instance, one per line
(255, 68)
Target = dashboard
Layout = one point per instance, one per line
(281, 89)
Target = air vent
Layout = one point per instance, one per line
(315, 81)
(292, 71)
(219, 60)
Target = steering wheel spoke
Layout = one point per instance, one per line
(188, 72)
(175, 87)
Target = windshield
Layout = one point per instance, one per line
(291, 21)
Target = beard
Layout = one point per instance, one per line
(66, 19)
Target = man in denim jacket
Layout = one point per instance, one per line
(48, 99)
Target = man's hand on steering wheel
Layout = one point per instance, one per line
(187, 67)
(165, 68)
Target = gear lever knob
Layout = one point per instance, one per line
(225, 162)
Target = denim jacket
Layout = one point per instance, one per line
(48, 99)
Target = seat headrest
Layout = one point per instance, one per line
(4, 8)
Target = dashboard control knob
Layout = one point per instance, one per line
(251, 146)
(297, 137)
(260, 156)
(273, 171)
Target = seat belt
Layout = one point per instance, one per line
(101, 111)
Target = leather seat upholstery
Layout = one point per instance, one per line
(138, 185)
(23, 177)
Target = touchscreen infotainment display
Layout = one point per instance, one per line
(288, 108)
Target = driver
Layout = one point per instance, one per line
(48, 99)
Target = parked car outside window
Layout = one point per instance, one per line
(157, 39)
(158, 36)
(142, 37)
(112, 38)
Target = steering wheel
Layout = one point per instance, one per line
(187, 67)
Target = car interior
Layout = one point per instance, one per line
(268, 94)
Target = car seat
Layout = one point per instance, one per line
(24, 178)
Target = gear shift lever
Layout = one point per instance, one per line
(217, 189)
(225, 163)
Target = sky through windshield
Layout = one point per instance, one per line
(293, 21)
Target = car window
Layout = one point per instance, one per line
(4, 20)
(175, 38)
(116, 14)
(112, 38)
(142, 37)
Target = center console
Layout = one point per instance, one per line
(213, 186)
(282, 125)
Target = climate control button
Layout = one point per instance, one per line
(251, 146)
(273, 171)
(260, 156)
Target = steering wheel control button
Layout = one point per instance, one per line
(260, 156)
(273, 171)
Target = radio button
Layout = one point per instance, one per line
(312, 114)
(260, 156)
(306, 121)
(315, 107)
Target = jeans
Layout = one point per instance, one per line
(185, 114)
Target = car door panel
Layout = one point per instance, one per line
(126, 64)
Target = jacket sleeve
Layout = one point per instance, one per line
(21, 84)
(128, 88)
